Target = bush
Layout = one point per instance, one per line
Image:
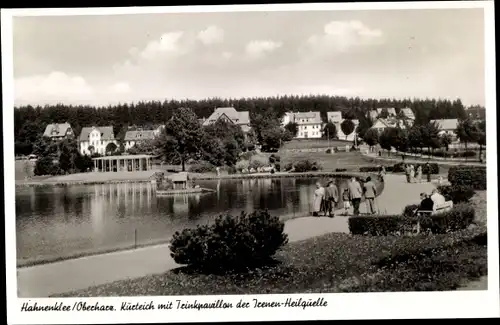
(328, 150)
(247, 155)
(202, 167)
(231, 170)
(232, 242)
(242, 164)
(457, 193)
(306, 166)
(368, 169)
(468, 175)
(258, 161)
(288, 167)
(277, 166)
(460, 217)
(340, 170)
(45, 166)
(274, 159)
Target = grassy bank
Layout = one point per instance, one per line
(331, 263)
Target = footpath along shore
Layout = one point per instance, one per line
(75, 274)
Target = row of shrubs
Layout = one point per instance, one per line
(464, 181)
(302, 166)
(241, 242)
(443, 153)
(336, 149)
(399, 168)
(459, 217)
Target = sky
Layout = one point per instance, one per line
(100, 60)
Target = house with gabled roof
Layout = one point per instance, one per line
(229, 114)
(447, 126)
(133, 137)
(310, 124)
(58, 131)
(95, 139)
(382, 123)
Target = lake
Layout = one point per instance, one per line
(61, 221)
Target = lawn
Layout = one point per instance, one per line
(331, 263)
(315, 143)
(345, 160)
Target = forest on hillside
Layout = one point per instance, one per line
(30, 121)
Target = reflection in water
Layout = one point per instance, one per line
(57, 221)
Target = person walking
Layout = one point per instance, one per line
(319, 196)
(346, 201)
(407, 173)
(370, 193)
(355, 192)
(428, 170)
(331, 198)
(419, 174)
(412, 174)
(381, 173)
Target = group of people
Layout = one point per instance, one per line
(326, 199)
(427, 202)
(415, 176)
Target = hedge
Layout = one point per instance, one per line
(460, 217)
(202, 167)
(303, 166)
(474, 176)
(457, 193)
(244, 241)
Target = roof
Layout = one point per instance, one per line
(56, 129)
(140, 135)
(408, 112)
(238, 117)
(388, 122)
(390, 110)
(180, 177)
(334, 116)
(308, 117)
(123, 157)
(447, 124)
(106, 133)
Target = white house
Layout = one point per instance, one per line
(58, 131)
(229, 114)
(348, 137)
(95, 139)
(447, 126)
(309, 124)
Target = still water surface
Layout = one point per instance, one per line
(60, 221)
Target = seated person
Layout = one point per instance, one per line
(426, 205)
(437, 198)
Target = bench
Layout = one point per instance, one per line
(438, 208)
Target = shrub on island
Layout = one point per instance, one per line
(244, 241)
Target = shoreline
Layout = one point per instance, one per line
(201, 177)
(26, 263)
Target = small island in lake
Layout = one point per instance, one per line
(178, 183)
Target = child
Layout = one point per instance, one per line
(345, 199)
